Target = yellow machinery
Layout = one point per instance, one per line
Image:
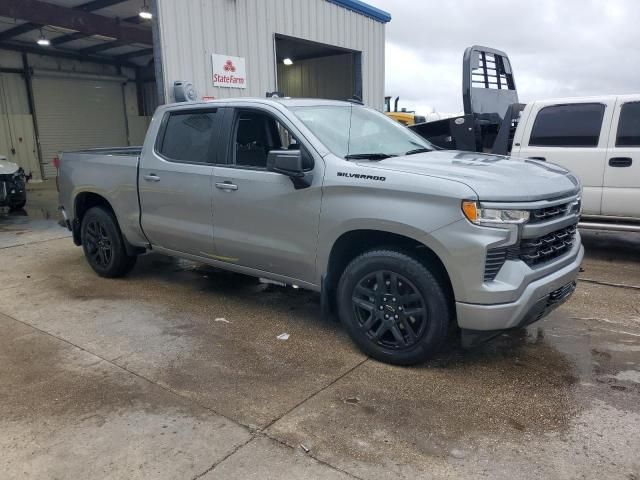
(403, 116)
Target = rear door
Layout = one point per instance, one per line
(262, 220)
(621, 192)
(176, 181)
(573, 134)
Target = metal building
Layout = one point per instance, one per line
(89, 73)
(335, 47)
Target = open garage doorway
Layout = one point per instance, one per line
(315, 70)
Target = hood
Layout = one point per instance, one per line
(492, 177)
(7, 167)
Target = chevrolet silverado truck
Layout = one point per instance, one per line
(403, 241)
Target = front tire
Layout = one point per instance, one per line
(393, 307)
(103, 244)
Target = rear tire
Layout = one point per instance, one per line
(103, 244)
(393, 307)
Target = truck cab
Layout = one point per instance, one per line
(598, 139)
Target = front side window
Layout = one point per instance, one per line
(351, 130)
(572, 125)
(189, 136)
(258, 133)
(629, 126)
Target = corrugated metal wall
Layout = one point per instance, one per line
(62, 121)
(191, 30)
(17, 138)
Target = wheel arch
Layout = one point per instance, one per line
(86, 200)
(355, 242)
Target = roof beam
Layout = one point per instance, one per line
(101, 47)
(85, 7)
(35, 49)
(19, 30)
(137, 53)
(42, 13)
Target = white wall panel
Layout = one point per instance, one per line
(191, 30)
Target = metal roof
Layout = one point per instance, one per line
(106, 31)
(364, 9)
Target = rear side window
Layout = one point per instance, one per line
(574, 125)
(629, 126)
(189, 136)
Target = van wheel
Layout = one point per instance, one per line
(393, 307)
(103, 244)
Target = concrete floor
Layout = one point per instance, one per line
(176, 372)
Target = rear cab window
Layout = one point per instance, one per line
(189, 136)
(570, 125)
(628, 134)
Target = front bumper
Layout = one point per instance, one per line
(536, 300)
(12, 192)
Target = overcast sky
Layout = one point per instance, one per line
(557, 48)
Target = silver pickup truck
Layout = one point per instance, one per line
(402, 241)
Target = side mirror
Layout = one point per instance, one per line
(289, 163)
(286, 162)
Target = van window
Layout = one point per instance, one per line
(188, 136)
(629, 125)
(573, 125)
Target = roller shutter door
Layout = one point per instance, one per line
(75, 113)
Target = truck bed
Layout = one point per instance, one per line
(125, 151)
(111, 173)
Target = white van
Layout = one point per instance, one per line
(598, 139)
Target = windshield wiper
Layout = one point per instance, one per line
(368, 156)
(417, 150)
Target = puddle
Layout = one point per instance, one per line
(628, 376)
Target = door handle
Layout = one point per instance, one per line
(542, 159)
(152, 177)
(226, 186)
(620, 162)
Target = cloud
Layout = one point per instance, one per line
(556, 48)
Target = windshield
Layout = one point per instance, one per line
(352, 131)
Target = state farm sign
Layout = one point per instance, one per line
(228, 71)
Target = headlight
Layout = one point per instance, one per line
(492, 217)
(19, 175)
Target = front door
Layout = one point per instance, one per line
(262, 220)
(573, 135)
(621, 192)
(176, 182)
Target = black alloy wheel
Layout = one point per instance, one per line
(394, 306)
(390, 310)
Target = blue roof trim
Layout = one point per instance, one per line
(364, 9)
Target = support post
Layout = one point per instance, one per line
(28, 73)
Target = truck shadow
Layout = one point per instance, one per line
(612, 246)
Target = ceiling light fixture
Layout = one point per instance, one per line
(43, 41)
(145, 13)
(287, 61)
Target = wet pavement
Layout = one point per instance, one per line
(176, 371)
